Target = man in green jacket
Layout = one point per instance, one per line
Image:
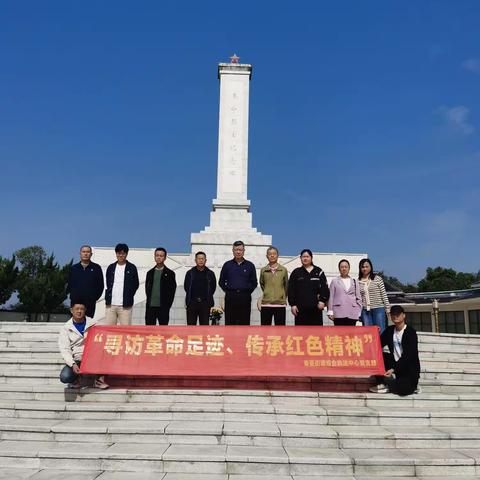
(274, 284)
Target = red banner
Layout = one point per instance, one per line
(244, 351)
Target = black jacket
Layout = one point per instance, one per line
(129, 287)
(167, 288)
(211, 285)
(85, 285)
(408, 365)
(306, 289)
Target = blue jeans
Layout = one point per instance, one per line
(376, 316)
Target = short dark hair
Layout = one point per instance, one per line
(77, 302)
(160, 249)
(200, 253)
(271, 247)
(343, 260)
(121, 247)
(362, 261)
(306, 250)
(85, 246)
(238, 243)
(396, 310)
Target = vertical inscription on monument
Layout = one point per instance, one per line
(233, 134)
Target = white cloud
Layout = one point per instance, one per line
(457, 118)
(472, 65)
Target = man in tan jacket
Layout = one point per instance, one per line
(71, 342)
(274, 284)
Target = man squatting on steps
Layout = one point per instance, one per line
(71, 341)
(401, 363)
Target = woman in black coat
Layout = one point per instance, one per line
(308, 291)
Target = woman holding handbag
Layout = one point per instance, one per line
(345, 303)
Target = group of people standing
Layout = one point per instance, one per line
(348, 299)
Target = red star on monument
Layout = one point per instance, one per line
(234, 58)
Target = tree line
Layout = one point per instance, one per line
(40, 282)
(436, 279)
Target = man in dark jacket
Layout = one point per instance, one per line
(160, 287)
(402, 364)
(200, 284)
(238, 279)
(122, 283)
(85, 282)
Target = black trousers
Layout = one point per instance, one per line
(278, 314)
(90, 309)
(404, 385)
(154, 314)
(200, 311)
(309, 316)
(344, 322)
(237, 308)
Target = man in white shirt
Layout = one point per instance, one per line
(402, 365)
(122, 283)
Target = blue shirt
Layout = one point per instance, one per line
(238, 277)
(80, 326)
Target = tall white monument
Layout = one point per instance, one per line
(231, 218)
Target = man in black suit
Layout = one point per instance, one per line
(160, 287)
(200, 284)
(402, 364)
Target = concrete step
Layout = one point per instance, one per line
(383, 410)
(29, 352)
(450, 374)
(238, 459)
(49, 432)
(452, 338)
(55, 474)
(458, 363)
(238, 433)
(19, 343)
(227, 398)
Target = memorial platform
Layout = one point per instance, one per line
(49, 432)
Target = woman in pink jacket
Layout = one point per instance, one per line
(345, 303)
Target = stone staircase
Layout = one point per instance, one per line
(49, 432)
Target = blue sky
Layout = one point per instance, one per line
(364, 125)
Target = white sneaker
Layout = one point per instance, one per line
(418, 390)
(380, 388)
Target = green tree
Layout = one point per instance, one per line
(41, 285)
(440, 279)
(8, 278)
(396, 283)
(31, 260)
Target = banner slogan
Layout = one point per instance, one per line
(243, 351)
